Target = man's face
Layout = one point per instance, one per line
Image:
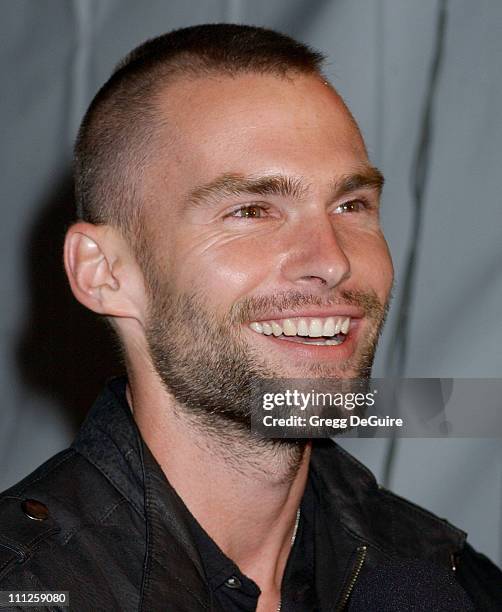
(264, 245)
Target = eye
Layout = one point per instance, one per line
(353, 206)
(251, 211)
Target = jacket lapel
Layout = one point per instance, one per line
(173, 576)
(351, 496)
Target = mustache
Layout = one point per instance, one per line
(252, 308)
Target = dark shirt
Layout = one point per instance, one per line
(235, 592)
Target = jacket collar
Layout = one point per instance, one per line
(352, 510)
(172, 570)
(376, 516)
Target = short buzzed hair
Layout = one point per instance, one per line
(119, 130)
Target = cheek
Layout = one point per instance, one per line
(223, 266)
(371, 263)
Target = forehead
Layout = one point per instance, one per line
(254, 124)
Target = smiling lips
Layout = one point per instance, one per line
(332, 330)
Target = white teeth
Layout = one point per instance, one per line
(267, 329)
(303, 328)
(313, 327)
(329, 327)
(276, 329)
(333, 342)
(289, 327)
(330, 342)
(315, 330)
(257, 327)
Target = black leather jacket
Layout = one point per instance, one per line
(113, 533)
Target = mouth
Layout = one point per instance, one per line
(311, 331)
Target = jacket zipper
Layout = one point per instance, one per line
(350, 583)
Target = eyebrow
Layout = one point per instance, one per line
(228, 185)
(368, 177)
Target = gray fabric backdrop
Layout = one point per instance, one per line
(54, 356)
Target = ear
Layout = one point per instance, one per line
(103, 273)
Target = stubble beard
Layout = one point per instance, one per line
(209, 369)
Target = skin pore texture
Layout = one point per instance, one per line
(260, 205)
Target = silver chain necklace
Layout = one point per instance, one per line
(293, 538)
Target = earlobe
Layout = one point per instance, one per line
(94, 258)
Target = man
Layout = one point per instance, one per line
(228, 230)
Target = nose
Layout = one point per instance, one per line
(316, 258)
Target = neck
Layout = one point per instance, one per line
(244, 493)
